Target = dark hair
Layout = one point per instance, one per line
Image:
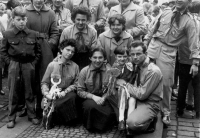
(81, 10)
(138, 43)
(11, 4)
(118, 17)
(97, 49)
(155, 1)
(194, 7)
(32, 1)
(19, 11)
(68, 42)
(156, 9)
(121, 51)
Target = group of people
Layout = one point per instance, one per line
(99, 68)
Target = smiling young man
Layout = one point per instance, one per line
(85, 35)
(170, 33)
(147, 90)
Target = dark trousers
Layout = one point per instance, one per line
(184, 80)
(21, 74)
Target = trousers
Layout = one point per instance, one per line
(21, 75)
(165, 58)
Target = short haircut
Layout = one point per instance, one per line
(19, 11)
(120, 18)
(156, 9)
(97, 49)
(194, 7)
(121, 51)
(81, 10)
(11, 4)
(138, 43)
(66, 43)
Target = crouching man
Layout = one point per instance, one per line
(147, 90)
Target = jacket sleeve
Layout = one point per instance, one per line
(4, 49)
(140, 28)
(37, 52)
(46, 80)
(101, 11)
(53, 33)
(142, 92)
(69, 5)
(94, 39)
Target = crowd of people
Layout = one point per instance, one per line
(100, 62)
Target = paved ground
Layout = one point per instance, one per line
(182, 128)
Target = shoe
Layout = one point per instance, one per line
(197, 115)
(35, 121)
(189, 107)
(11, 124)
(174, 93)
(2, 92)
(182, 114)
(23, 113)
(166, 120)
(121, 125)
(173, 98)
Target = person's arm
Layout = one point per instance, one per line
(37, 52)
(53, 32)
(4, 49)
(140, 28)
(82, 86)
(73, 87)
(46, 80)
(101, 17)
(152, 79)
(94, 39)
(191, 30)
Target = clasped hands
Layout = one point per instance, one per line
(56, 93)
(98, 100)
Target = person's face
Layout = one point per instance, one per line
(80, 21)
(57, 3)
(38, 3)
(125, 3)
(20, 22)
(116, 28)
(97, 59)
(154, 13)
(68, 52)
(137, 55)
(121, 59)
(181, 4)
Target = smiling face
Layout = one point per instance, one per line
(121, 59)
(38, 3)
(68, 52)
(137, 55)
(57, 3)
(181, 4)
(80, 21)
(97, 59)
(20, 22)
(116, 28)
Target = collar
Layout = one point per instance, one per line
(85, 30)
(92, 68)
(175, 10)
(16, 30)
(123, 35)
(31, 8)
(130, 7)
(69, 62)
(54, 8)
(145, 63)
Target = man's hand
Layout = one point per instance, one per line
(121, 82)
(49, 96)
(194, 70)
(100, 22)
(98, 100)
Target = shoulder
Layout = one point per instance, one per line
(84, 71)
(115, 8)
(107, 34)
(8, 32)
(69, 28)
(154, 69)
(74, 65)
(91, 29)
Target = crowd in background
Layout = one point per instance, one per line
(170, 33)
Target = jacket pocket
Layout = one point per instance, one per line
(13, 41)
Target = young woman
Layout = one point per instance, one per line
(98, 114)
(67, 71)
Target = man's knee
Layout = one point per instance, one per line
(136, 125)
